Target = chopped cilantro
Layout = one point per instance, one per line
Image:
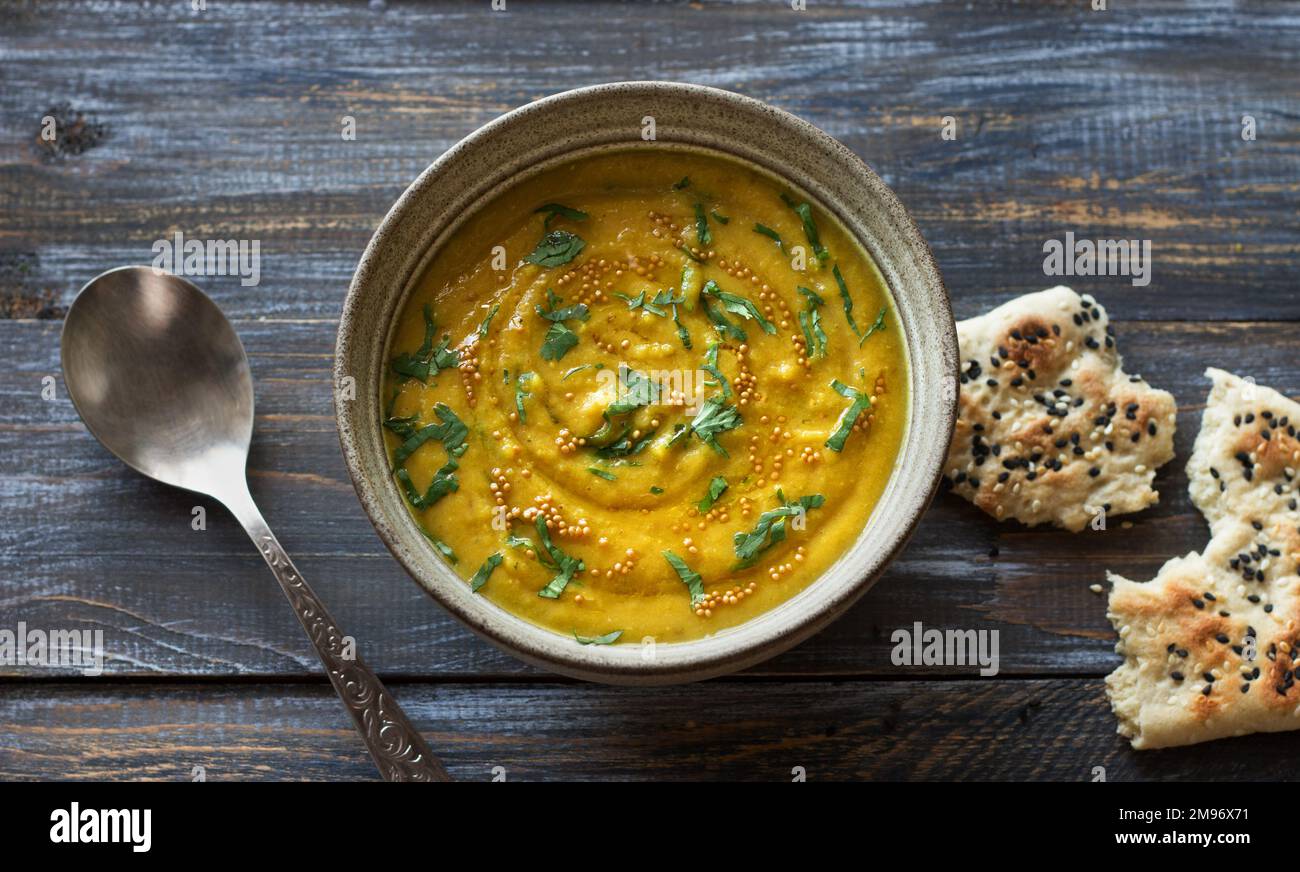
(715, 417)
(427, 359)
(639, 301)
(578, 369)
(848, 301)
(878, 325)
(693, 580)
(483, 328)
(556, 249)
(770, 528)
(485, 572)
(717, 486)
(811, 322)
(702, 233)
(738, 305)
(521, 395)
(566, 567)
(560, 339)
(710, 365)
(607, 639)
(860, 403)
(637, 390)
(443, 548)
(451, 433)
(554, 210)
(804, 211)
(770, 234)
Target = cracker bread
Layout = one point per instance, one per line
(1196, 617)
(1050, 428)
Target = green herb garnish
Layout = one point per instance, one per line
(738, 305)
(810, 320)
(560, 339)
(443, 548)
(566, 567)
(878, 325)
(404, 427)
(860, 403)
(624, 446)
(721, 219)
(717, 486)
(683, 184)
(553, 312)
(656, 489)
(578, 369)
(638, 390)
(556, 249)
(722, 324)
(601, 473)
(715, 417)
(607, 639)
(702, 234)
(451, 433)
(710, 365)
(484, 572)
(427, 359)
(693, 580)
(483, 328)
(666, 298)
(639, 301)
(848, 301)
(554, 210)
(770, 234)
(521, 395)
(804, 211)
(770, 528)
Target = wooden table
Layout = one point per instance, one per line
(225, 123)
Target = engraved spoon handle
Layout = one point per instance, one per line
(393, 742)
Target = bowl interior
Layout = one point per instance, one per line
(619, 116)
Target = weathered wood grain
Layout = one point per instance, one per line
(898, 731)
(226, 123)
(84, 542)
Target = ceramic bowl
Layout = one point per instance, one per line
(610, 117)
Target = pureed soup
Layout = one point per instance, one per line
(645, 394)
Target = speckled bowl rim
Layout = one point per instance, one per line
(930, 424)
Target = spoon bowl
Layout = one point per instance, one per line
(161, 379)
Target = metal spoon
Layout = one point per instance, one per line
(160, 377)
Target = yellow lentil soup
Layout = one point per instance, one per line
(650, 393)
